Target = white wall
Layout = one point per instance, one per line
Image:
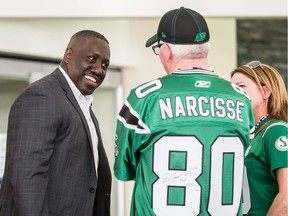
(9, 91)
(49, 37)
(139, 8)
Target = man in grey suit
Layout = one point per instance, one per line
(55, 160)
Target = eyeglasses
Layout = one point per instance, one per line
(156, 48)
(254, 64)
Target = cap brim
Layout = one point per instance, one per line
(152, 40)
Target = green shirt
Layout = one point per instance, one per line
(182, 137)
(267, 152)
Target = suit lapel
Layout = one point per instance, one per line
(65, 86)
(95, 121)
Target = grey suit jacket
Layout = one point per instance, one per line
(49, 166)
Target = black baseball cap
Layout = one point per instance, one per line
(181, 26)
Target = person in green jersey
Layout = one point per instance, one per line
(181, 137)
(267, 155)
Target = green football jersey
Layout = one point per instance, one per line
(267, 152)
(181, 138)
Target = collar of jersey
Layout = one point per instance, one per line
(195, 71)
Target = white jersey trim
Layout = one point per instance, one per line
(196, 71)
(274, 124)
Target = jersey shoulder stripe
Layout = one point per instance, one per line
(130, 118)
(273, 124)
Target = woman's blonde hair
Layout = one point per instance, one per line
(266, 75)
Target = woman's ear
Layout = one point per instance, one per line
(266, 92)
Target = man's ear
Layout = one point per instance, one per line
(67, 55)
(167, 52)
(266, 92)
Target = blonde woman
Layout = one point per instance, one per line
(266, 156)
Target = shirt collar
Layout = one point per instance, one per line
(195, 71)
(75, 90)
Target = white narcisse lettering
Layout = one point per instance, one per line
(166, 108)
(239, 105)
(203, 100)
(231, 109)
(212, 105)
(179, 109)
(220, 110)
(191, 106)
(200, 106)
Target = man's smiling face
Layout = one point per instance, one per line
(87, 62)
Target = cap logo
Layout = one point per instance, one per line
(163, 35)
(200, 37)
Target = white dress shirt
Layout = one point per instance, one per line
(85, 102)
